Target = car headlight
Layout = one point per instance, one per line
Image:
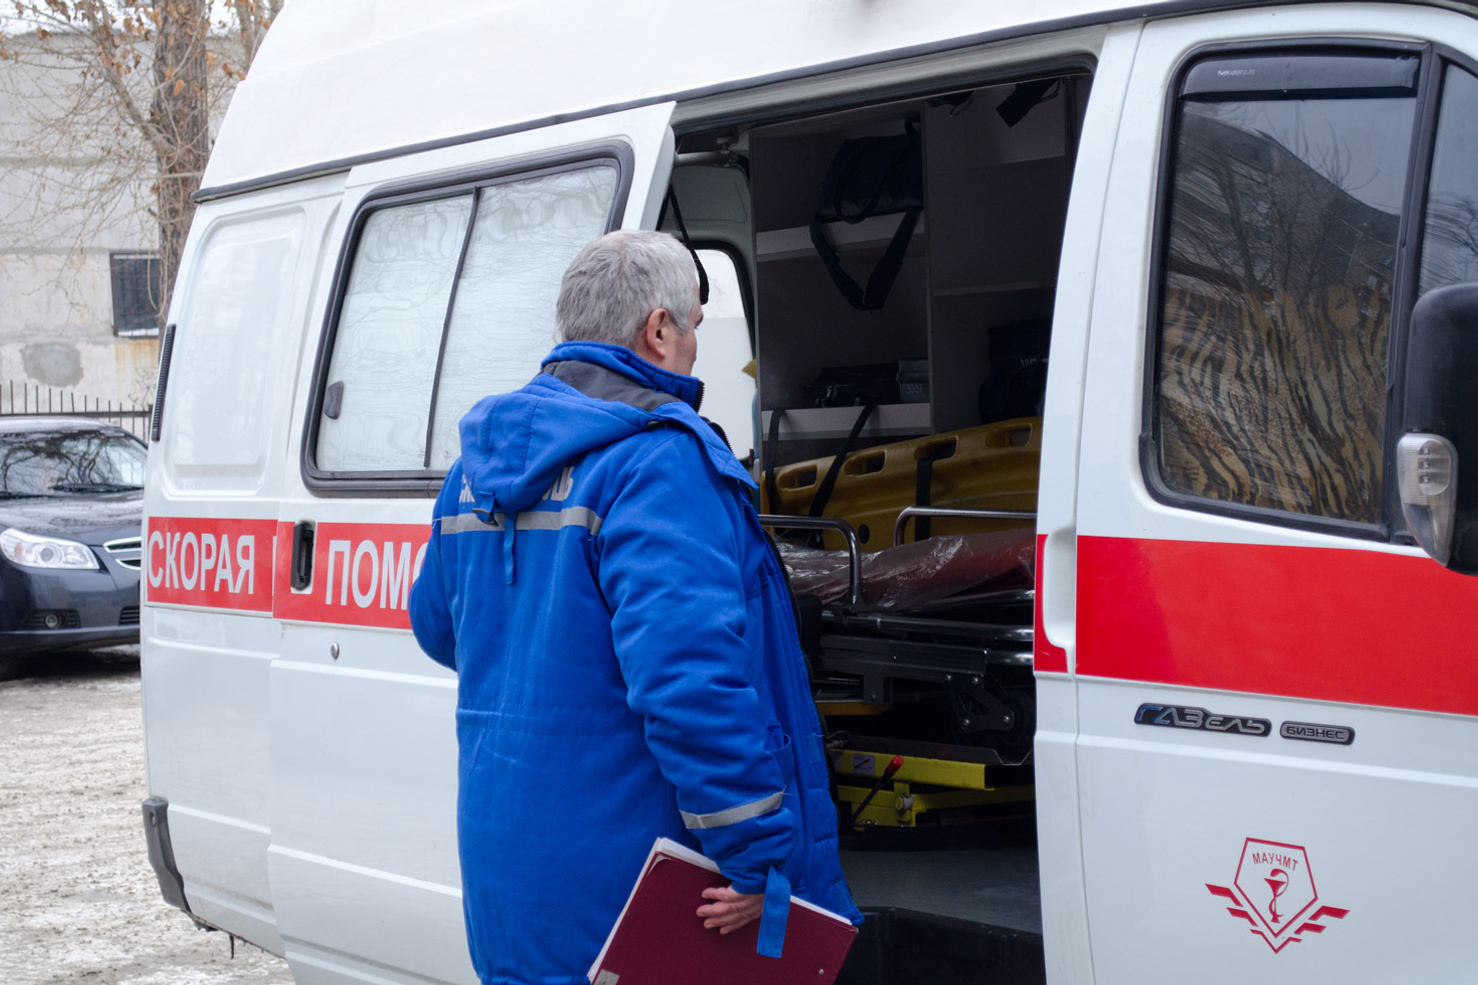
(32, 551)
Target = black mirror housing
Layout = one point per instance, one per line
(1441, 399)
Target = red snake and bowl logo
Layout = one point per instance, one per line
(1274, 891)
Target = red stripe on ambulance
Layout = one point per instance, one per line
(362, 574)
(209, 562)
(1357, 625)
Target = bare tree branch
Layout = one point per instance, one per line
(108, 61)
(117, 98)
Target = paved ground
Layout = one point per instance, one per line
(78, 900)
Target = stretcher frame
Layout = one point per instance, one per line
(961, 657)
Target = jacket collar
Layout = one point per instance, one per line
(622, 360)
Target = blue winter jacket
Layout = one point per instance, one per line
(627, 659)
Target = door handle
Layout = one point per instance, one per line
(302, 566)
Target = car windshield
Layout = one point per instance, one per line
(69, 462)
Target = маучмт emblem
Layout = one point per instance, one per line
(1274, 891)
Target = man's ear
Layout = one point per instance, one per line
(655, 336)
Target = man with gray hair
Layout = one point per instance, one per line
(627, 659)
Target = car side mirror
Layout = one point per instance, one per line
(1437, 455)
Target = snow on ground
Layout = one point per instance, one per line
(78, 900)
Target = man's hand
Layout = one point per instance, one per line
(730, 909)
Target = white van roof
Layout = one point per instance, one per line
(343, 81)
(339, 81)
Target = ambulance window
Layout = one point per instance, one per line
(1450, 240)
(448, 297)
(1284, 206)
(231, 326)
(388, 336)
(525, 234)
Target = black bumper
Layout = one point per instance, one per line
(161, 853)
(88, 608)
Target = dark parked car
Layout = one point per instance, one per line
(71, 509)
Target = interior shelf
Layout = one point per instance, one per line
(887, 421)
(786, 244)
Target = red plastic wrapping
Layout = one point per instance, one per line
(900, 578)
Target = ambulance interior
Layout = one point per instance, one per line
(928, 385)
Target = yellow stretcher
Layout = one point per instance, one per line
(992, 467)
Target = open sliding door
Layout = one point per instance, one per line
(1273, 681)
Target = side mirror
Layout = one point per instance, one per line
(1437, 455)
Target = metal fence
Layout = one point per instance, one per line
(34, 400)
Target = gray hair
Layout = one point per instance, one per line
(614, 283)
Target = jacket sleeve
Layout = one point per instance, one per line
(431, 618)
(668, 564)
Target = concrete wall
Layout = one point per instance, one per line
(74, 187)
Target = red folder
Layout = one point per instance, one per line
(660, 940)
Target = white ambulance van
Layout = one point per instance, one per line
(1182, 293)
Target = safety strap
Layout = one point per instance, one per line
(677, 214)
(828, 482)
(823, 493)
(775, 915)
(772, 490)
(880, 281)
(923, 485)
(893, 180)
(772, 446)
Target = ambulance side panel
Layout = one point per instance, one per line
(1278, 756)
(216, 473)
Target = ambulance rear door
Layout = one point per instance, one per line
(215, 480)
(444, 293)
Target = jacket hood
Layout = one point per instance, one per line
(514, 445)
